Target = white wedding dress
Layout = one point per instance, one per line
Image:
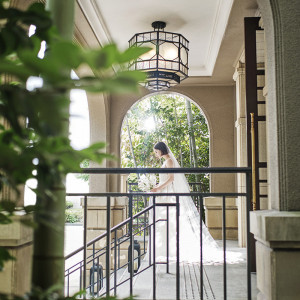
(189, 227)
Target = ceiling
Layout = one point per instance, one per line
(206, 24)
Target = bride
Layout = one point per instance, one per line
(189, 224)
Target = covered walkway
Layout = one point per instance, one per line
(213, 287)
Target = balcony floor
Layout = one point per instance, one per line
(189, 276)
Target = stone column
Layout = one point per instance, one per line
(213, 217)
(15, 278)
(277, 231)
(277, 237)
(96, 207)
(241, 149)
(96, 222)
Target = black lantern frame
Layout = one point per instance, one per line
(162, 71)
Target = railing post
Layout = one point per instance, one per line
(154, 247)
(201, 248)
(80, 276)
(248, 208)
(68, 290)
(84, 244)
(130, 258)
(168, 239)
(224, 248)
(98, 276)
(108, 252)
(177, 249)
(93, 281)
(150, 245)
(115, 265)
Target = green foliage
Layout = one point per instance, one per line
(169, 119)
(69, 204)
(85, 177)
(33, 142)
(74, 215)
(5, 256)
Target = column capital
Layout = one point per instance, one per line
(240, 121)
(272, 227)
(239, 70)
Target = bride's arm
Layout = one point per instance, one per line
(170, 179)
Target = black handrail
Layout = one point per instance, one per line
(126, 221)
(208, 170)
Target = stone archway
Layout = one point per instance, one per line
(181, 97)
(217, 103)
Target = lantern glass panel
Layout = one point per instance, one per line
(161, 64)
(162, 36)
(150, 54)
(168, 51)
(153, 36)
(183, 55)
(152, 64)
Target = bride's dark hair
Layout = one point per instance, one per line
(162, 147)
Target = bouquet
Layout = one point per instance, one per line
(147, 182)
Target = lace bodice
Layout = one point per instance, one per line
(163, 177)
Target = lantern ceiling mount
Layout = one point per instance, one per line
(159, 25)
(166, 64)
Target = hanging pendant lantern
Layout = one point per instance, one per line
(166, 64)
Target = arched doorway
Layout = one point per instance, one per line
(174, 119)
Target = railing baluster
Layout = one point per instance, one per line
(130, 259)
(108, 256)
(115, 265)
(150, 246)
(98, 276)
(93, 280)
(154, 246)
(145, 205)
(68, 290)
(119, 253)
(224, 249)
(177, 249)
(84, 244)
(168, 239)
(201, 247)
(80, 277)
(248, 208)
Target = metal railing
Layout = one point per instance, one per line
(140, 201)
(113, 241)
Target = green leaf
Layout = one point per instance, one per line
(136, 76)
(105, 57)
(8, 206)
(29, 208)
(4, 219)
(11, 68)
(66, 54)
(132, 53)
(4, 256)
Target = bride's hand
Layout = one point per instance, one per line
(154, 190)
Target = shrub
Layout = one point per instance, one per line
(74, 216)
(69, 204)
